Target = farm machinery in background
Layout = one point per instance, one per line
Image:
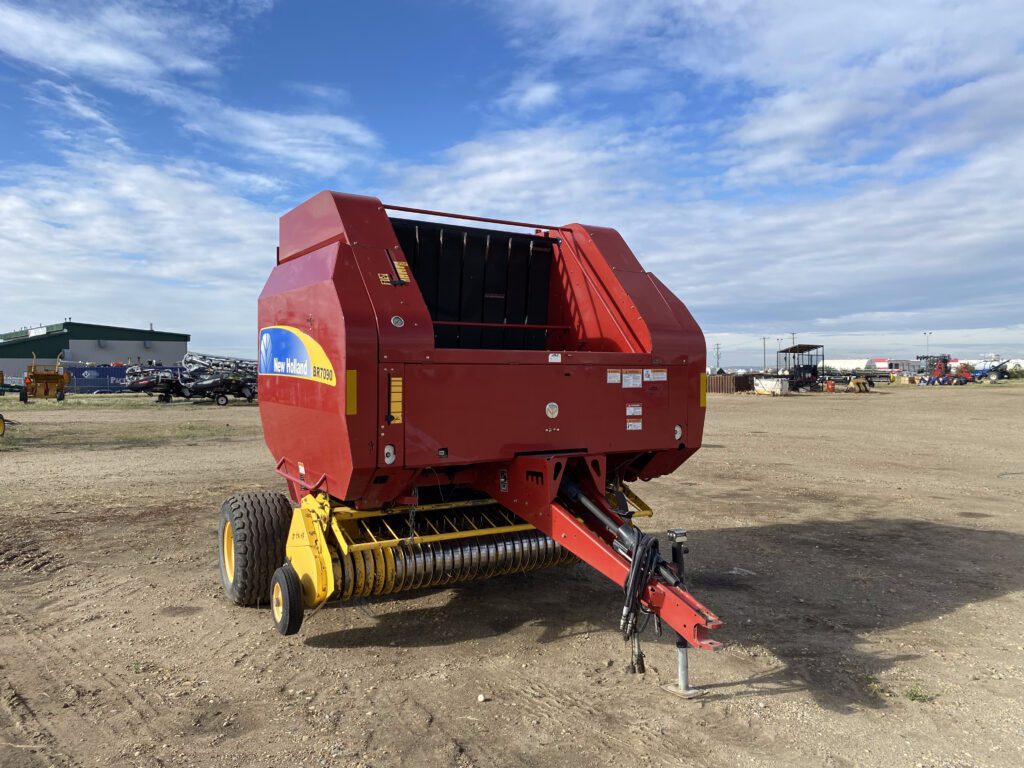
(993, 370)
(944, 373)
(43, 382)
(199, 376)
(219, 378)
(803, 365)
(162, 382)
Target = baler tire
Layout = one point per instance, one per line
(257, 526)
(221, 400)
(286, 600)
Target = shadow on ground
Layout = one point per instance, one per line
(808, 592)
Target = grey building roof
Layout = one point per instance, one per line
(50, 340)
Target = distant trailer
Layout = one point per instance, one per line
(846, 365)
(727, 384)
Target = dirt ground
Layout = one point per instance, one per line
(865, 551)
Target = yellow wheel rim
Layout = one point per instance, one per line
(228, 547)
(277, 602)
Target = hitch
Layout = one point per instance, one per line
(608, 551)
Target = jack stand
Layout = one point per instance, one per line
(681, 687)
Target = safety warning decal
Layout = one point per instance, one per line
(655, 374)
(287, 351)
(614, 376)
(634, 409)
(632, 378)
(634, 425)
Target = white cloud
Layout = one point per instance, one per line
(138, 50)
(72, 101)
(527, 95)
(558, 170)
(827, 90)
(129, 242)
(317, 143)
(108, 42)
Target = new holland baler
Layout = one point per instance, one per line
(452, 398)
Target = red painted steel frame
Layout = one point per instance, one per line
(529, 488)
(676, 607)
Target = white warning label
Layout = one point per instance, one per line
(614, 375)
(634, 409)
(632, 378)
(655, 374)
(555, 357)
(634, 425)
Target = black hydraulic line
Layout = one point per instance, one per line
(645, 563)
(641, 569)
(628, 536)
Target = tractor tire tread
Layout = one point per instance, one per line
(260, 521)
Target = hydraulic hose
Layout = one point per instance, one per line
(628, 536)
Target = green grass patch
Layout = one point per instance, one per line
(918, 694)
(872, 686)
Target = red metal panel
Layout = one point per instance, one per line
(322, 295)
(310, 226)
(478, 413)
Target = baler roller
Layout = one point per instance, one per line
(406, 566)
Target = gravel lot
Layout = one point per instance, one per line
(865, 551)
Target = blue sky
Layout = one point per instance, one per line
(853, 172)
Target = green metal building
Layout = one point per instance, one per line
(85, 343)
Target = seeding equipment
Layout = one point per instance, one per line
(450, 400)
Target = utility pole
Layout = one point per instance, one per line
(927, 339)
(764, 354)
(718, 357)
(793, 337)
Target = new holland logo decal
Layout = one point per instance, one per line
(287, 351)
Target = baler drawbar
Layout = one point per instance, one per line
(449, 402)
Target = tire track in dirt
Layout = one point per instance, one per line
(40, 737)
(558, 707)
(23, 554)
(608, 726)
(49, 651)
(83, 601)
(414, 711)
